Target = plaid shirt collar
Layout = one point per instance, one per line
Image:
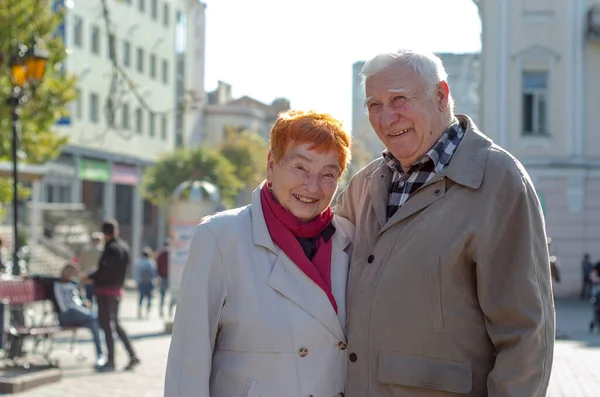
(438, 154)
(404, 185)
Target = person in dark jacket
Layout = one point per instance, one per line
(108, 281)
(68, 305)
(162, 265)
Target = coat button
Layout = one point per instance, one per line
(342, 345)
(371, 258)
(353, 357)
(437, 192)
(303, 352)
(339, 395)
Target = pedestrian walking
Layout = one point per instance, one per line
(162, 265)
(145, 276)
(108, 282)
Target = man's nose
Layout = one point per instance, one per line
(389, 116)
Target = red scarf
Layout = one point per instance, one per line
(285, 228)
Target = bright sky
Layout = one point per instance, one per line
(304, 50)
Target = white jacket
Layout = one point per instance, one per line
(249, 322)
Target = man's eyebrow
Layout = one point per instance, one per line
(393, 90)
(400, 91)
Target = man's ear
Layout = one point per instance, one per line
(443, 95)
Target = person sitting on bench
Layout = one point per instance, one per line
(71, 309)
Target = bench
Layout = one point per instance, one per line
(19, 294)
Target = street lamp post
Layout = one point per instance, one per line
(27, 69)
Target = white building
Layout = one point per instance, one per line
(541, 101)
(463, 78)
(159, 44)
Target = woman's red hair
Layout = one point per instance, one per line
(306, 126)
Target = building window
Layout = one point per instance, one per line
(127, 53)
(152, 124)
(535, 101)
(94, 108)
(140, 60)
(165, 71)
(142, 5)
(166, 14)
(78, 31)
(95, 39)
(153, 66)
(139, 120)
(77, 105)
(112, 50)
(125, 117)
(164, 128)
(154, 9)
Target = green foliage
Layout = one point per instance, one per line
(20, 21)
(201, 163)
(247, 151)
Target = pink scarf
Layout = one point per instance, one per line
(285, 228)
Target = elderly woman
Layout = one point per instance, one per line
(261, 311)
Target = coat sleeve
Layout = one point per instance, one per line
(515, 290)
(345, 204)
(200, 303)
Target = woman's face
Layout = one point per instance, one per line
(304, 180)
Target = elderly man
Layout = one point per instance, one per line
(449, 290)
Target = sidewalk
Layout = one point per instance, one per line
(575, 372)
(79, 378)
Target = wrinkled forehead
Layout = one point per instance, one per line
(394, 79)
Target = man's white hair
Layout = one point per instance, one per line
(423, 63)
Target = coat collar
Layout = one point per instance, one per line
(467, 166)
(291, 282)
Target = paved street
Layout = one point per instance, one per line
(576, 366)
(79, 379)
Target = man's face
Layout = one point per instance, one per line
(406, 118)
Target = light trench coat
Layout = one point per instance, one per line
(452, 295)
(249, 322)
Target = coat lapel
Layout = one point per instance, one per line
(421, 199)
(291, 282)
(287, 279)
(379, 190)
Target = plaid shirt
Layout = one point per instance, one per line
(421, 171)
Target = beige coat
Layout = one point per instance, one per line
(452, 296)
(249, 322)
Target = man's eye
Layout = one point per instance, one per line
(399, 98)
(372, 105)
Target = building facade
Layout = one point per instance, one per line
(463, 78)
(223, 111)
(114, 130)
(540, 97)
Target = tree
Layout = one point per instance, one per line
(200, 163)
(247, 151)
(20, 22)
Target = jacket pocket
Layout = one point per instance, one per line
(434, 291)
(230, 383)
(425, 372)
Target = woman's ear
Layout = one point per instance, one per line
(270, 164)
